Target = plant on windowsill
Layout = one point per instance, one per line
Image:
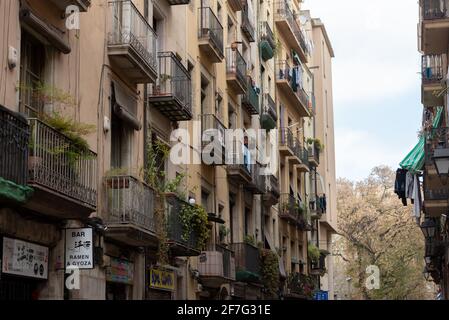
(317, 142)
(223, 232)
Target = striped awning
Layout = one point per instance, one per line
(414, 161)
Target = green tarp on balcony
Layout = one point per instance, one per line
(266, 50)
(414, 161)
(10, 191)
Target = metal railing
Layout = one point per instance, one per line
(272, 185)
(173, 81)
(175, 227)
(14, 139)
(270, 106)
(284, 12)
(211, 126)
(432, 68)
(239, 158)
(210, 28)
(129, 27)
(247, 257)
(436, 138)
(266, 33)
(286, 138)
(58, 164)
(129, 201)
(217, 261)
(251, 98)
(288, 205)
(258, 179)
(304, 98)
(248, 27)
(236, 65)
(314, 153)
(304, 156)
(434, 9)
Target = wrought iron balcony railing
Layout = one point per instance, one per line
(57, 163)
(172, 93)
(248, 23)
(247, 262)
(289, 207)
(211, 29)
(129, 202)
(269, 115)
(435, 138)
(250, 100)
(286, 138)
(182, 244)
(217, 261)
(314, 154)
(130, 29)
(432, 68)
(236, 67)
(434, 9)
(266, 33)
(213, 131)
(14, 138)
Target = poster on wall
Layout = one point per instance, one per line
(22, 258)
(162, 279)
(79, 248)
(120, 271)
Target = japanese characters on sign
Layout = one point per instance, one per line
(23, 258)
(162, 279)
(79, 248)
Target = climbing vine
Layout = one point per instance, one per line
(194, 220)
(269, 270)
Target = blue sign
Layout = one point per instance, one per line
(321, 295)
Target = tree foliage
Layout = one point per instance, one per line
(376, 229)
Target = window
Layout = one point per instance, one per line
(31, 75)
(121, 143)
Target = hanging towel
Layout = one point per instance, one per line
(399, 185)
(294, 79)
(417, 198)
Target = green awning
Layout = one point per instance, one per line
(414, 161)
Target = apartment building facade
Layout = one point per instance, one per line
(95, 95)
(432, 156)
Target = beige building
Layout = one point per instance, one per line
(93, 101)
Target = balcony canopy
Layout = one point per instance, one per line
(414, 161)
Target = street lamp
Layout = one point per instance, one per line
(428, 228)
(441, 161)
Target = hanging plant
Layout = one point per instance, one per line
(313, 252)
(250, 239)
(194, 220)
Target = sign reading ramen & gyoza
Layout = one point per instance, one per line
(79, 248)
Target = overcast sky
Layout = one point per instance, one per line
(376, 81)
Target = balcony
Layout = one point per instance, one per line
(248, 23)
(14, 139)
(213, 140)
(269, 117)
(318, 267)
(236, 5)
(289, 28)
(63, 176)
(267, 42)
(434, 26)
(436, 191)
(286, 142)
(272, 193)
(216, 267)
(172, 93)
(289, 208)
(314, 155)
(433, 78)
(132, 43)
(180, 246)
(129, 212)
(299, 287)
(257, 185)
(239, 166)
(210, 35)
(250, 100)
(287, 82)
(236, 71)
(303, 155)
(83, 5)
(247, 262)
(178, 2)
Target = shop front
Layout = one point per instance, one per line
(119, 279)
(161, 283)
(24, 269)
